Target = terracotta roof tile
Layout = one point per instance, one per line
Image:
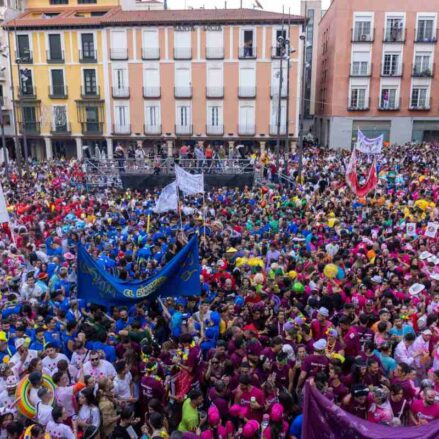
(196, 16)
(115, 16)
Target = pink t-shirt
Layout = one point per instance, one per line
(223, 431)
(421, 411)
(266, 434)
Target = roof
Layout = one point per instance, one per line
(115, 16)
(196, 16)
(66, 17)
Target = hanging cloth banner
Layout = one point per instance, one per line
(369, 146)
(168, 199)
(352, 177)
(189, 184)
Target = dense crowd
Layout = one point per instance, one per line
(300, 282)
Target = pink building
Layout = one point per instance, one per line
(376, 71)
(199, 75)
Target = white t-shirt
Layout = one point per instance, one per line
(52, 363)
(64, 398)
(104, 370)
(19, 367)
(59, 430)
(122, 387)
(34, 399)
(90, 415)
(44, 413)
(7, 401)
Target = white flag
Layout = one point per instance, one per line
(168, 199)
(4, 215)
(189, 184)
(410, 229)
(432, 229)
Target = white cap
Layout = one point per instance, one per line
(319, 345)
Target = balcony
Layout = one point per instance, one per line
(183, 92)
(55, 58)
(246, 129)
(358, 70)
(30, 127)
(5, 102)
(359, 105)
(183, 130)
(273, 129)
(214, 92)
(420, 106)
(121, 129)
(92, 128)
(152, 129)
(120, 92)
(247, 92)
(389, 105)
(151, 92)
(150, 53)
(274, 91)
(394, 35)
(247, 52)
(358, 36)
(182, 52)
(277, 52)
(3, 75)
(392, 71)
(58, 91)
(214, 52)
(119, 54)
(90, 92)
(424, 36)
(422, 72)
(60, 130)
(88, 56)
(24, 57)
(28, 92)
(214, 130)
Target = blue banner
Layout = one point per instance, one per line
(180, 277)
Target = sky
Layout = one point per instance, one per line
(270, 5)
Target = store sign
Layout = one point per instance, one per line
(191, 27)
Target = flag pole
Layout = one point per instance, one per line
(204, 218)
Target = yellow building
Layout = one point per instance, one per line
(59, 90)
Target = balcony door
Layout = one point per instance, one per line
(55, 49)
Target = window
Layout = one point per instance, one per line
(152, 113)
(183, 45)
(360, 63)
(246, 119)
(59, 2)
(362, 29)
(391, 65)
(84, 2)
(57, 79)
(120, 78)
(121, 117)
(26, 84)
(247, 81)
(88, 47)
(90, 82)
(358, 98)
(388, 99)
(29, 118)
(422, 66)
(425, 29)
(55, 49)
(92, 119)
(23, 48)
(214, 116)
(394, 29)
(118, 40)
(59, 114)
(214, 44)
(419, 97)
(184, 116)
(248, 49)
(150, 44)
(183, 84)
(275, 115)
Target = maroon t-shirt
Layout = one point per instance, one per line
(313, 364)
(407, 388)
(152, 388)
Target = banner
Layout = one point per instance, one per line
(4, 214)
(369, 146)
(189, 184)
(180, 277)
(431, 229)
(352, 177)
(410, 229)
(322, 419)
(168, 199)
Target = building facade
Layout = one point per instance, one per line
(377, 72)
(92, 76)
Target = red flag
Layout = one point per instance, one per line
(352, 177)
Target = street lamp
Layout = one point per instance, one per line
(22, 80)
(283, 46)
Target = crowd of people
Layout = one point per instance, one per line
(304, 283)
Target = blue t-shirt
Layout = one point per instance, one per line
(296, 427)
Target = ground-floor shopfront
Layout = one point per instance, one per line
(68, 147)
(341, 132)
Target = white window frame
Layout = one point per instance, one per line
(149, 104)
(46, 41)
